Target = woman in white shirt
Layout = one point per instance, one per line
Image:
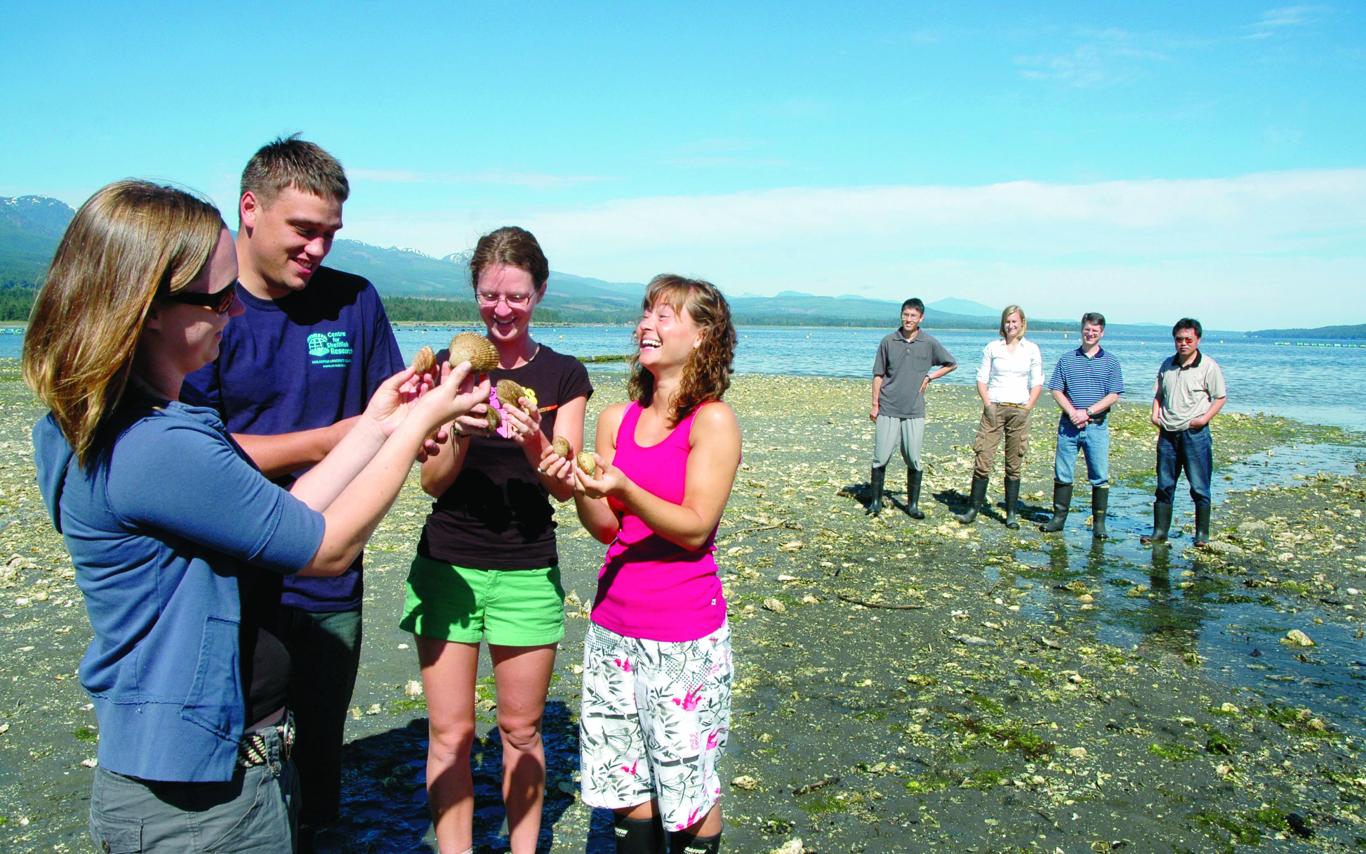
(1009, 382)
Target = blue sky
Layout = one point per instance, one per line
(1146, 160)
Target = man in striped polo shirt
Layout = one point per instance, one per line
(1086, 382)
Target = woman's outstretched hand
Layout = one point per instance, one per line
(388, 406)
(454, 395)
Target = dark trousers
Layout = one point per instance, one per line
(324, 650)
(1189, 451)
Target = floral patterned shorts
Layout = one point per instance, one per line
(654, 722)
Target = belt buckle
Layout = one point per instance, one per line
(287, 734)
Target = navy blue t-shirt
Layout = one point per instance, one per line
(306, 360)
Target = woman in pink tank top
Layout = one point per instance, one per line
(657, 663)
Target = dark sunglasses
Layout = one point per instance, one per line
(220, 301)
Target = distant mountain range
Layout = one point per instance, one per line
(417, 286)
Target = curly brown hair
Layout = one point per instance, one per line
(706, 376)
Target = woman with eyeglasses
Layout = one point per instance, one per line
(487, 568)
(171, 529)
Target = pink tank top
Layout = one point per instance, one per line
(649, 587)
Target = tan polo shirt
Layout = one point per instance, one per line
(1184, 393)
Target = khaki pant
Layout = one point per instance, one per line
(997, 419)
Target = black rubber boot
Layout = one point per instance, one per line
(1062, 503)
(1012, 501)
(683, 843)
(914, 479)
(1162, 521)
(979, 494)
(1100, 502)
(875, 487)
(638, 835)
(1202, 524)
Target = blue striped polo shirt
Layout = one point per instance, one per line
(1084, 380)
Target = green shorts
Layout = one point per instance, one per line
(506, 607)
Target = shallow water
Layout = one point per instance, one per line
(1165, 596)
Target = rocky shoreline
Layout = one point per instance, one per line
(901, 685)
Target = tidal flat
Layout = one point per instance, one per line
(900, 685)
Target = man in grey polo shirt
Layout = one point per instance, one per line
(907, 360)
(1188, 393)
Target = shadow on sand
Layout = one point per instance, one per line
(384, 799)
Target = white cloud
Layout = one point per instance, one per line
(1105, 58)
(1274, 21)
(1144, 244)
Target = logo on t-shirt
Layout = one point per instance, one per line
(329, 349)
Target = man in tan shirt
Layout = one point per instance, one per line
(1188, 393)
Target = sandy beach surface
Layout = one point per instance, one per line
(900, 685)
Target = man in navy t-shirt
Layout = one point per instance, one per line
(292, 374)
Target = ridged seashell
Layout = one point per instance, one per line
(425, 361)
(475, 349)
(562, 447)
(588, 464)
(509, 391)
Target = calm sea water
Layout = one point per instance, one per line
(1310, 383)
(1318, 383)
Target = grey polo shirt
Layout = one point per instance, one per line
(903, 365)
(1184, 393)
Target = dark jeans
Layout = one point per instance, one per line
(1190, 451)
(252, 812)
(324, 650)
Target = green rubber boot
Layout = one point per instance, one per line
(1062, 503)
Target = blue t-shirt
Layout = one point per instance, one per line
(165, 528)
(305, 360)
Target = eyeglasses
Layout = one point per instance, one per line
(219, 301)
(513, 300)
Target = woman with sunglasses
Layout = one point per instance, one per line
(656, 659)
(487, 567)
(174, 533)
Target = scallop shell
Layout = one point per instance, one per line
(425, 361)
(587, 463)
(475, 349)
(562, 447)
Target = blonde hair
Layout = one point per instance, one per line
(706, 376)
(128, 243)
(1024, 321)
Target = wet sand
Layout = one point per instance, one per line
(901, 685)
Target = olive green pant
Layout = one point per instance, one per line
(1000, 419)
